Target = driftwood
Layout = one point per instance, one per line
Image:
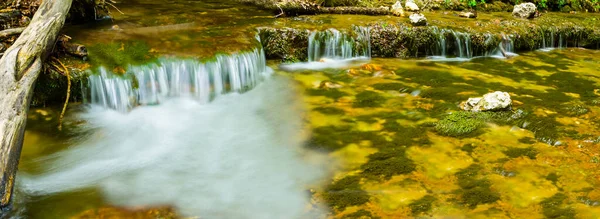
(19, 68)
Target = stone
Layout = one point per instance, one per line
(329, 85)
(495, 101)
(525, 10)
(410, 5)
(418, 19)
(397, 9)
(467, 14)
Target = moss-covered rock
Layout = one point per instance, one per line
(459, 124)
(285, 44)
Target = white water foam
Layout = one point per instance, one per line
(239, 156)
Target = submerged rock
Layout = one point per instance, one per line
(489, 102)
(418, 19)
(397, 9)
(411, 6)
(525, 10)
(467, 14)
(329, 85)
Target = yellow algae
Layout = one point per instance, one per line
(319, 119)
(574, 95)
(441, 159)
(353, 155)
(392, 196)
(524, 189)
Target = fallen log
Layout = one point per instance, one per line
(19, 68)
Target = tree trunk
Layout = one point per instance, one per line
(19, 68)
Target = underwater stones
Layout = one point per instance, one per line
(418, 19)
(495, 101)
(410, 5)
(467, 14)
(329, 85)
(397, 9)
(525, 10)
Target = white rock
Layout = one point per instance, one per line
(489, 102)
(418, 19)
(397, 9)
(525, 10)
(410, 5)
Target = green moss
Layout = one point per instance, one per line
(552, 207)
(576, 110)
(390, 86)
(552, 177)
(468, 148)
(120, 54)
(459, 124)
(345, 192)
(368, 99)
(387, 163)
(329, 110)
(518, 152)
(422, 205)
(527, 140)
(331, 93)
(360, 214)
(475, 190)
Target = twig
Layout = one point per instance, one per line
(282, 12)
(108, 3)
(62, 113)
(10, 32)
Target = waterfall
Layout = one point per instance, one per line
(153, 83)
(454, 42)
(463, 44)
(334, 44)
(508, 43)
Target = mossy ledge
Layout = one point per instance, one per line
(401, 40)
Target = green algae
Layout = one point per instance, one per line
(474, 189)
(530, 152)
(553, 207)
(360, 214)
(368, 99)
(331, 93)
(329, 110)
(422, 205)
(390, 87)
(345, 192)
(387, 163)
(120, 54)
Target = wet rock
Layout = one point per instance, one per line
(495, 101)
(467, 14)
(525, 10)
(418, 19)
(397, 9)
(329, 85)
(411, 6)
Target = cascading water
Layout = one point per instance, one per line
(174, 78)
(333, 44)
(450, 41)
(239, 156)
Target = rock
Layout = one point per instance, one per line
(418, 19)
(467, 14)
(329, 85)
(411, 6)
(397, 9)
(495, 101)
(525, 10)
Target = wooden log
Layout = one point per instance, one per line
(19, 68)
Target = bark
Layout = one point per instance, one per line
(19, 68)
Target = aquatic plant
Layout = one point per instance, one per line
(387, 163)
(530, 152)
(368, 99)
(475, 190)
(552, 207)
(362, 213)
(459, 124)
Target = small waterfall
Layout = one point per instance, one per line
(441, 47)
(463, 44)
(334, 44)
(508, 43)
(151, 84)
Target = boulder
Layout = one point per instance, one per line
(525, 10)
(467, 14)
(418, 19)
(495, 101)
(410, 5)
(397, 9)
